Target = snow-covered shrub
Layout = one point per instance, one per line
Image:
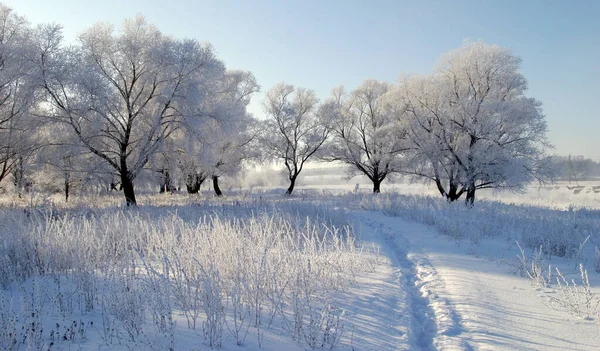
(157, 290)
(533, 270)
(559, 232)
(31, 310)
(322, 327)
(87, 288)
(125, 306)
(8, 324)
(226, 266)
(578, 300)
(212, 327)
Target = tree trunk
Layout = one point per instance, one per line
(67, 186)
(193, 188)
(452, 197)
(18, 175)
(454, 194)
(470, 200)
(376, 186)
(292, 184)
(215, 180)
(5, 169)
(441, 189)
(127, 185)
(193, 183)
(166, 185)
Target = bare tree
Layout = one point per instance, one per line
(368, 132)
(295, 130)
(123, 94)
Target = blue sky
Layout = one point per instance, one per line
(322, 44)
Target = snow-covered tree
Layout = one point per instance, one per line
(232, 135)
(17, 128)
(165, 166)
(223, 139)
(192, 172)
(471, 125)
(367, 131)
(229, 149)
(124, 93)
(295, 130)
(62, 163)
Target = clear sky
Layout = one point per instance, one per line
(322, 44)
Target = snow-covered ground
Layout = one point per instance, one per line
(448, 299)
(561, 194)
(454, 283)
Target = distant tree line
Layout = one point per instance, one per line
(575, 168)
(133, 105)
(466, 126)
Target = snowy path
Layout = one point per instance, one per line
(426, 293)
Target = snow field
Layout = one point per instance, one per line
(547, 242)
(268, 272)
(478, 297)
(155, 279)
(431, 323)
(559, 233)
